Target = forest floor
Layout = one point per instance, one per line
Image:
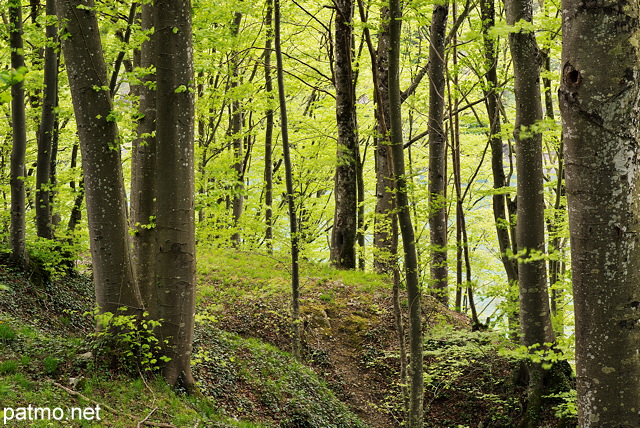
(349, 375)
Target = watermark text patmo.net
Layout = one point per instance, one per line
(33, 413)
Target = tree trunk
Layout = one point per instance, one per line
(19, 148)
(293, 225)
(385, 229)
(599, 100)
(535, 317)
(506, 241)
(143, 176)
(268, 137)
(175, 222)
(238, 147)
(404, 217)
(437, 150)
(100, 146)
(343, 236)
(47, 128)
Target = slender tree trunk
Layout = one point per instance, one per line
(175, 221)
(143, 175)
(535, 317)
(238, 147)
(293, 226)
(385, 230)
(268, 137)
(99, 143)
(19, 148)
(506, 241)
(343, 237)
(47, 128)
(76, 211)
(360, 234)
(437, 156)
(415, 419)
(600, 100)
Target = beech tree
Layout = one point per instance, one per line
(101, 163)
(47, 127)
(175, 222)
(599, 99)
(343, 235)
(19, 147)
(414, 293)
(437, 157)
(293, 220)
(143, 176)
(535, 316)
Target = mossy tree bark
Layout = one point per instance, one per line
(175, 222)
(414, 295)
(268, 134)
(19, 148)
(47, 128)
(293, 222)
(343, 236)
(535, 316)
(385, 230)
(600, 102)
(506, 240)
(437, 153)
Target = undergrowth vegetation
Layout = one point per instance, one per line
(349, 376)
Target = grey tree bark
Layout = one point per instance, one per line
(535, 316)
(414, 294)
(293, 223)
(100, 147)
(143, 175)
(437, 153)
(19, 132)
(175, 221)
(343, 236)
(600, 102)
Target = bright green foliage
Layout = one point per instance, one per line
(123, 342)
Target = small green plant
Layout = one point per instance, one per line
(568, 408)
(51, 365)
(7, 334)
(126, 342)
(9, 366)
(54, 258)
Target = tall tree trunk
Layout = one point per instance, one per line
(47, 128)
(268, 137)
(385, 229)
(437, 150)
(143, 176)
(293, 225)
(100, 146)
(175, 221)
(360, 226)
(415, 417)
(19, 148)
(600, 100)
(76, 211)
(238, 147)
(535, 317)
(343, 236)
(506, 241)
